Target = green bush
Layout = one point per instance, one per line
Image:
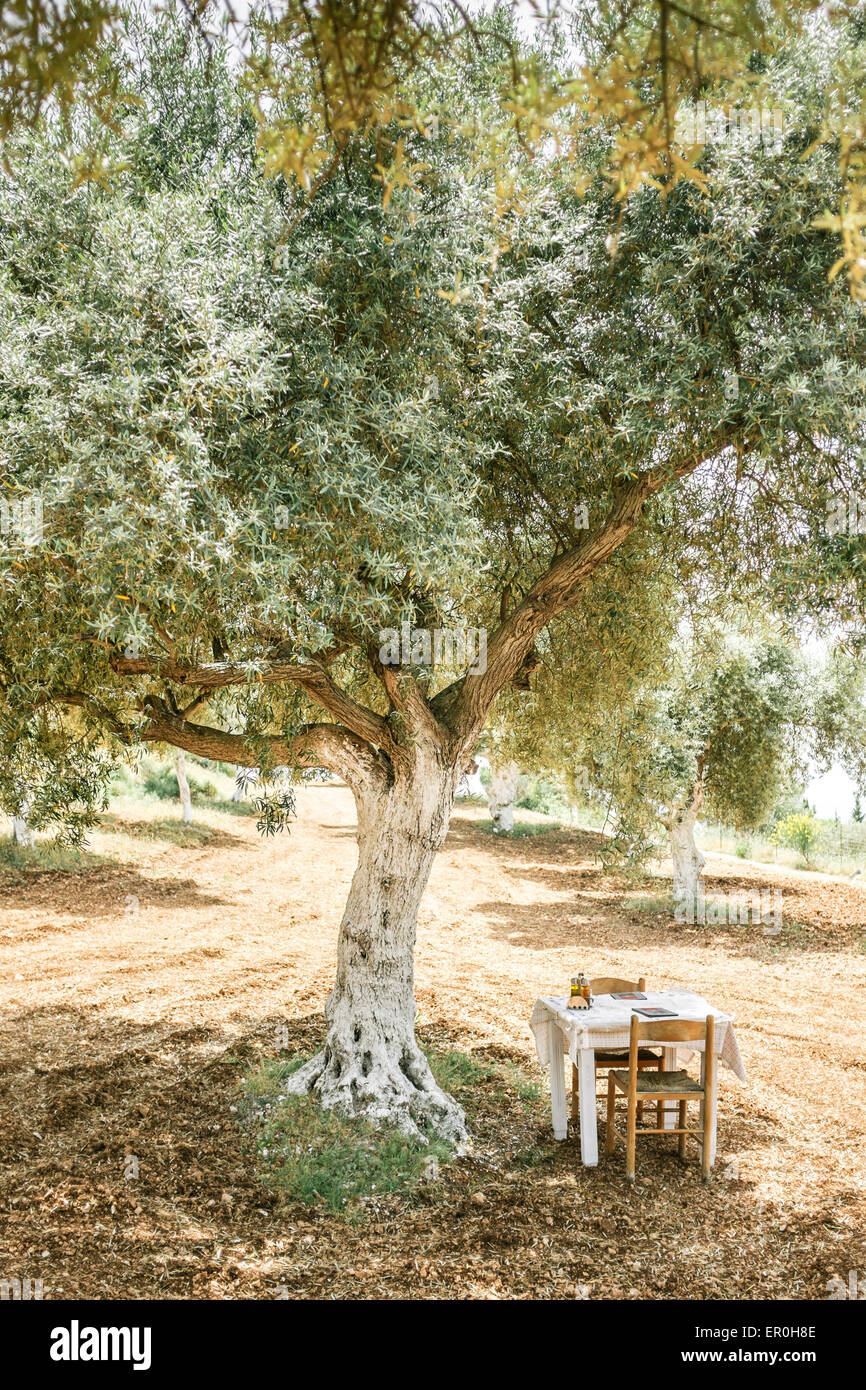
(122, 782)
(162, 783)
(545, 797)
(799, 831)
(523, 829)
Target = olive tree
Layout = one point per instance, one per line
(265, 431)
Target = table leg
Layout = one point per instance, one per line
(713, 1104)
(557, 1081)
(669, 1107)
(588, 1113)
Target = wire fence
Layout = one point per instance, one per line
(838, 849)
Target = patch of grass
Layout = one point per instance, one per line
(227, 807)
(535, 1158)
(174, 831)
(306, 1154)
(795, 936)
(651, 902)
(46, 855)
(528, 1088)
(523, 829)
(456, 1071)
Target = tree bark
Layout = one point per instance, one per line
(502, 794)
(183, 787)
(371, 1064)
(688, 862)
(21, 833)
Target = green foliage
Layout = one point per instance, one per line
(44, 856)
(544, 796)
(522, 829)
(840, 713)
(718, 710)
(276, 811)
(604, 84)
(266, 426)
(162, 783)
(122, 782)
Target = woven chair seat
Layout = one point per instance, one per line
(658, 1082)
(644, 1054)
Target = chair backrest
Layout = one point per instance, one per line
(672, 1030)
(606, 984)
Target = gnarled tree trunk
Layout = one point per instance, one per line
(688, 862)
(371, 1063)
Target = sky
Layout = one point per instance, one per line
(832, 794)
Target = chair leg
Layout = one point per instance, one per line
(630, 1139)
(609, 1137)
(660, 1122)
(708, 1134)
(682, 1125)
(575, 1093)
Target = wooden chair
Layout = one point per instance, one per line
(608, 1058)
(667, 1085)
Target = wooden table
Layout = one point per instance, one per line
(577, 1033)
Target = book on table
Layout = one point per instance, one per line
(634, 994)
(656, 1013)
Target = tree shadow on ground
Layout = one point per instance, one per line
(193, 836)
(587, 895)
(131, 1172)
(103, 890)
(563, 841)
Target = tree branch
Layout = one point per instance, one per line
(317, 745)
(463, 706)
(313, 679)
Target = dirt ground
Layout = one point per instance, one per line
(136, 993)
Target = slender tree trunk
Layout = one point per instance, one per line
(688, 862)
(502, 794)
(371, 1064)
(183, 787)
(21, 832)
